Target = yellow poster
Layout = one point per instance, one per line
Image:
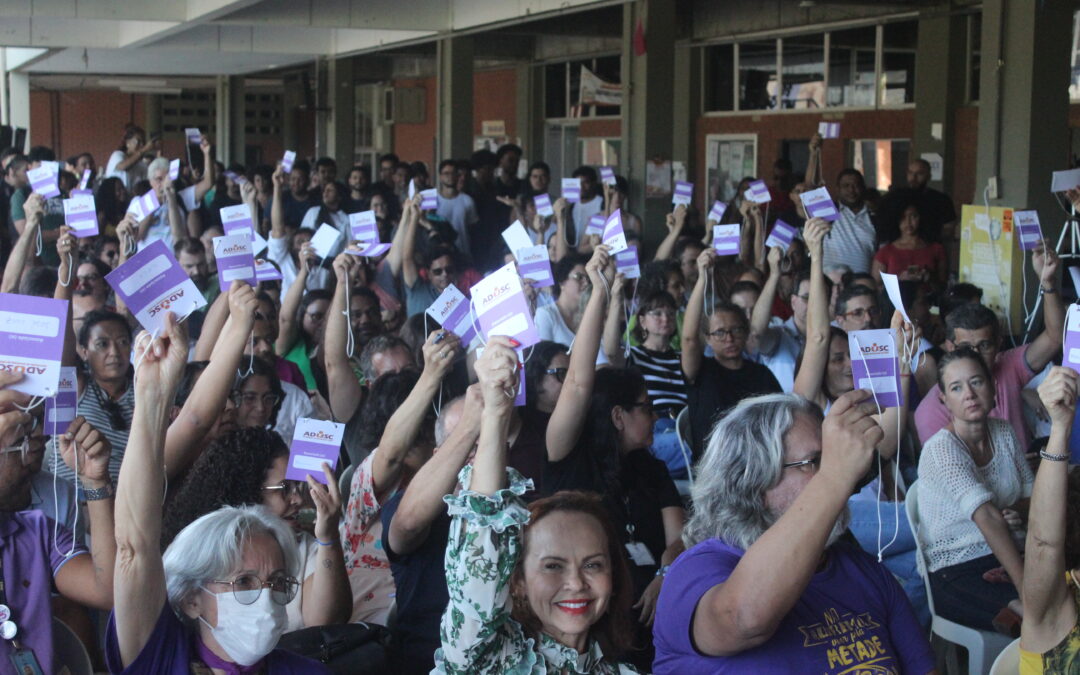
(991, 259)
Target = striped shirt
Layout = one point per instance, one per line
(663, 378)
(90, 407)
(852, 240)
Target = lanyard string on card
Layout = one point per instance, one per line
(628, 309)
(436, 408)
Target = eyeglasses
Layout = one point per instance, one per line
(722, 334)
(806, 465)
(247, 588)
(288, 488)
(579, 277)
(983, 347)
(862, 313)
(439, 271)
(29, 445)
(660, 314)
(251, 398)
(559, 373)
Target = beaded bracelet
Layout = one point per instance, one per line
(1053, 458)
(327, 543)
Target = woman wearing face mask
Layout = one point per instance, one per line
(973, 481)
(216, 601)
(543, 589)
(247, 467)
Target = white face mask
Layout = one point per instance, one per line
(247, 632)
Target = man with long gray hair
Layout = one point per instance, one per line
(764, 586)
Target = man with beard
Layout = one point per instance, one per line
(765, 586)
(191, 254)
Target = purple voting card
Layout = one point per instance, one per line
(571, 190)
(237, 219)
(1071, 350)
(607, 175)
(1028, 229)
(543, 205)
(819, 204)
(874, 365)
(77, 192)
(266, 271)
(288, 160)
(174, 169)
(451, 311)
(613, 232)
(534, 264)
(726, 239)
(716, 213)
(596, 224)
(782, 235)
(429, 199)
(626, 263)
(502, 309)
(143, 207)
(61, 408)
(85, 180)
(363, 226)
(759, 192)
(235, 259)
(314, 442)
(368, 249)
(32, 332)
(80, 214)
(828, 129)
(151, 283)
(43, 180)
(235, 177)
(193, 135)
(683, 194)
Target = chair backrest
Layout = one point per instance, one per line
(69, 651)
(682, 432)
(911, 505)
(345, 482)
(1008, 661)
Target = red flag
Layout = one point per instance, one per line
(639, 38)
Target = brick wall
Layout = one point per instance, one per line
(495, 98)
(72, 122)
(416, 142)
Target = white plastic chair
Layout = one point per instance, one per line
(982, 646)
(682, 432)
(1008, 661)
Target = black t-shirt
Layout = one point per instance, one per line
(528, 452)
(717, 389)
(421, 594)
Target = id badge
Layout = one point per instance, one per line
(25, 663)
(639, 553)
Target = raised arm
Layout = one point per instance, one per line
(25, 248)
(213, 324)
(745, 611)
(183, 441)
(209, 173)
(409, 222)
(1049, 610)
(177, 221)
(675, 222)
(497, 372)
(134, 157)
(568, 418)
(562, 249)
(693, 348)
(613, 324)
(759, 319)
(813, 165)
(344, 388)
(1048, 345)
(423, 499)
(327, 598)
(126, 233)
(139, 581)
(808, 380)
(289, 319)
(277, 209)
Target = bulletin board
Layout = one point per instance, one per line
(990, 258)
(728, 159)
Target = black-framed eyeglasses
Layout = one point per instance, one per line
(722, 333)
(439, 271)
(579, 277)
(982, 347)
(811, 464)
(559, 373)
(251, 398)
(247, 588)
(862, 313)
(288, 488)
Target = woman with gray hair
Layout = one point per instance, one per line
(764, 586)
(216, 602)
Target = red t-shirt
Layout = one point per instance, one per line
(897, 260)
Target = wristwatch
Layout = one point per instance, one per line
(663, 571)
(96, 494)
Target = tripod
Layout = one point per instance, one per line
(1070, 229)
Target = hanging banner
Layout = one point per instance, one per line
(595, 91)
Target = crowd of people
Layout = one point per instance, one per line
(686, 474)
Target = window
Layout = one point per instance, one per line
(719, 67)
(560, 149)
(881, 160)
(851, 67)
(899, 41)
(555, 94)
(803, 72)
(728, 158)
(188, 109)
(562, 86)
(758, 81)
(599, 151)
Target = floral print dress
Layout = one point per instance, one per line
(478, 634)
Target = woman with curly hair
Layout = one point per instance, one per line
(247, 466)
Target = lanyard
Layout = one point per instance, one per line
(8, 629)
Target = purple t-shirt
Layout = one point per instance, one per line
(853, 616)
(170, 649)
(32, 558)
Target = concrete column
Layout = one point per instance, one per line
(686, 105)
(647, 114)
(341, 127)
(454, 59)
(152, 110)
(940, 78)
(291, 99)
(229, 115)
(19, 104)
(1023, 114)
(530, 118)
(322, 107)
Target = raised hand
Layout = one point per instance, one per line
(86, 451)
(161, 361)
(496, 370)
(344, 264)
(814, 234)
(599, 265)
(242, 301)
(1045, 261)
(849, 435)
(439, 350)
(705, 261)
(775, 255)
(327, 500)
(1058, 395)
